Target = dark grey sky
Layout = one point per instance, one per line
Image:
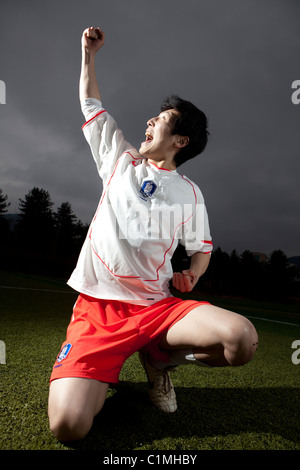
(235, 59)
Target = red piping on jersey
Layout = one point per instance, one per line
(135, 158)
(98, 114)
(116, 275)
(104, 192)
(181, 223)
(165, 169)
(90, 234)
(185, 179)
(157, 277)
(208, 242)
(165, 254)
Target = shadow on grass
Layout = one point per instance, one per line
(128, 421)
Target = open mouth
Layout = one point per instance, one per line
(149, 137)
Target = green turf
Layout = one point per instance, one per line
(254, 407)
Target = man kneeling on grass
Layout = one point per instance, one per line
(124, 268)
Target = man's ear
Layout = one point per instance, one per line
(181, 141)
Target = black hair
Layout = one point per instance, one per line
(192, 123)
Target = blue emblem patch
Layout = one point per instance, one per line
(64, 352)
(148, 188)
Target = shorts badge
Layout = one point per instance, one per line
(64, 352)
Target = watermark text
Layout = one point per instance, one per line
(2, 92)
(2, 352)
(296, 94)
(155, 222)
(296, 354)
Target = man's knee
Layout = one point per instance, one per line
(69, 425)
(242, 342)
(73, 404)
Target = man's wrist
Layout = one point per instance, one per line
(88, 56)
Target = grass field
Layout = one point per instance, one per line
(254, 407)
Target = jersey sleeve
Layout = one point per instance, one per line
(106, 141)
(196, 234)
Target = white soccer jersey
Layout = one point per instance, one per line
(143, 213)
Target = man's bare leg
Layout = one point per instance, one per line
(209, 336)
(73, 404)
(217, 337)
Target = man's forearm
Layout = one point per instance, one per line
(186, 281)
(199, 263)
(88, 84)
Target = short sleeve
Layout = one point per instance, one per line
(196, 234)
(106, 140)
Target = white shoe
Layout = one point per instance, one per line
(161, 393)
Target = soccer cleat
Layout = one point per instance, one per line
(162, 394)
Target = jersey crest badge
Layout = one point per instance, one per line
(148, 188)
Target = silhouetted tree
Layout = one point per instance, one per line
(35, 230)
(219, 270)
(234, 274)
(3, 203)
(250, 272)
(279, 274)
(66, 230)
(4, 228)
(49, 242)
(80, 234)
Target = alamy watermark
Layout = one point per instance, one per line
(296, 354)
(2, 92)
(295, 97)
(2, 352)
(151, 222)
(296, 94)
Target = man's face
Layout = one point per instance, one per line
(159, 143)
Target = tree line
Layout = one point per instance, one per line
(244, 275)
(40, 240)
(43, 241)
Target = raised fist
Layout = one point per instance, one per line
(92, 39)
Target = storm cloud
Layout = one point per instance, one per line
(234, 59)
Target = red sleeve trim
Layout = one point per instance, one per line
(98, 114)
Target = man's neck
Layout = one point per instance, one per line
(163, 164)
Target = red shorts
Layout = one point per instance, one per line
(102, 334)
